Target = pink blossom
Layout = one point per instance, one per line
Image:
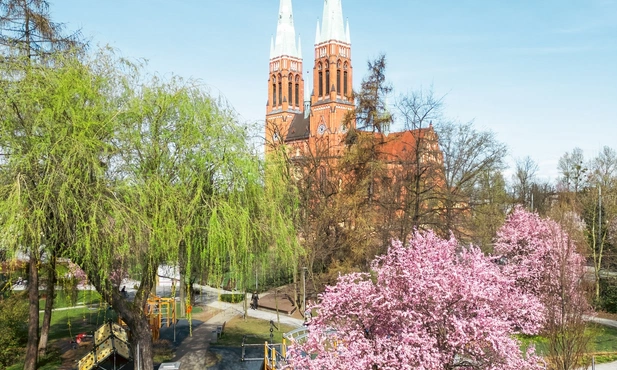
(429, 305)
(542, 259)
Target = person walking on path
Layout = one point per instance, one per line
(254, 300)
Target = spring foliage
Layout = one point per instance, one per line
(122, 171)
(427, 305)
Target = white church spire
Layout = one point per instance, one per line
(272, 47)
(333, 26)
(285, 43)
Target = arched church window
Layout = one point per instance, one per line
(345, 83)
(297, 96)
(327, 81)
(280, 80)
(274, 91)
(338, 81)
(289, 91)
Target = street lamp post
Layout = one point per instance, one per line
(304, 269)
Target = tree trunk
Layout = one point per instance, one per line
(182, 295)
(135, 318)
(141, 338)
(133, 314)
(49, 302)
(33, 312)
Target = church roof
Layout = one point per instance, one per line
(285, 42)
(299, 128)
(332, 24)
(401, 146)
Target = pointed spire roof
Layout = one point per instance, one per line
(272, 47)
(285, 42)
(333, 26)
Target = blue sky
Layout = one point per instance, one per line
(541, 74)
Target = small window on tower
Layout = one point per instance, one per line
(280, 93)
(328, 80)
(338, 81)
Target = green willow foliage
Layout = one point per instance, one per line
(126, 171)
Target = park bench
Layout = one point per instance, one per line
(220, 329)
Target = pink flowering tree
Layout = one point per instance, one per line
(428, 305)
(541, 256)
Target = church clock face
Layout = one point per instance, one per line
(321, 129)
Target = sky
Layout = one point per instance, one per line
(540, 74)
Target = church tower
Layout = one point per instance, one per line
(332, 77)
(285, 82)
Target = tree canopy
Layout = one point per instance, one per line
(427, 305)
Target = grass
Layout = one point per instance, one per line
(68, 323)
(50, 362)
(84, 297)
(237, 328)
(162, 351)
(603, 343)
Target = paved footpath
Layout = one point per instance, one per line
(193, 350)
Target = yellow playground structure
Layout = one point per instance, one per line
(111, 344)
(160, 311)
(275, 354)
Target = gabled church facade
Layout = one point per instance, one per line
(315, 123)
(291, 117)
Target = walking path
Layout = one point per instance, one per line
(194, 352)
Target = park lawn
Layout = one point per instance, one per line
(84, 297)
(603, 343)
(51, 364)
(52, 361)
(237, 328)
(65, 324)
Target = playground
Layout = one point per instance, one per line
(220, 335)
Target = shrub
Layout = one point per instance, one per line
(232, 298)
(13, 328)
(608, 294)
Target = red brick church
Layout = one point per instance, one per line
(315, 123)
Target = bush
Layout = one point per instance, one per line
(13, 328)
(608, 294)
(232, 298)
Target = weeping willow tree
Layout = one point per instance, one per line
(29, 37)
(120, 171)
(180, 185)
(51, 137)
